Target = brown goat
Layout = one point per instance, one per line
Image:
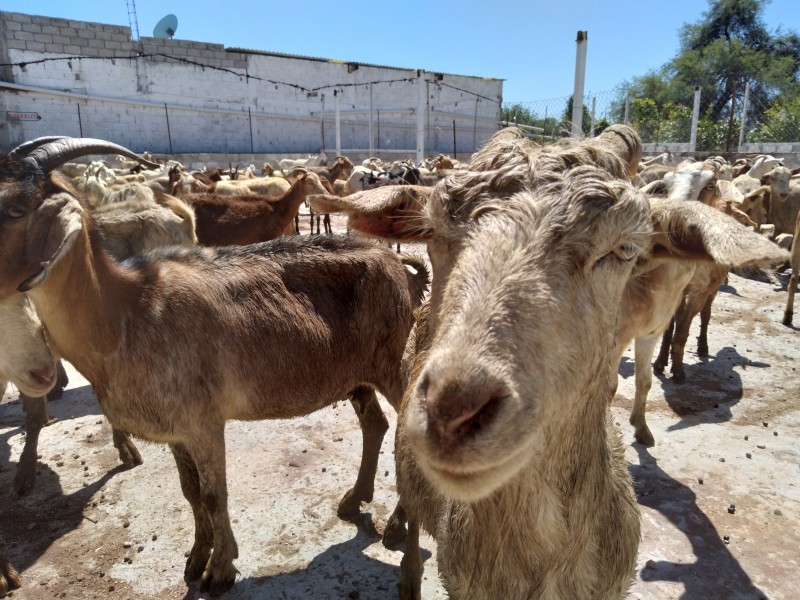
(226, 220)
(231, 322)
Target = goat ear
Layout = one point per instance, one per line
(52, 231)
(392, 212)
(687, 230)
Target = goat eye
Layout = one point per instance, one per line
(14, 212)
(621, 253)
(711, 186)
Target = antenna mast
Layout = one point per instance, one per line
(132, 19)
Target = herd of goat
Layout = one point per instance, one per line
(504, 444)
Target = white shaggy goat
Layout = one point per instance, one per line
(178, 341)
(505, 451)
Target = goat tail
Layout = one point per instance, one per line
(419, 277)
(184, 211)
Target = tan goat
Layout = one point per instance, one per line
(505, 450)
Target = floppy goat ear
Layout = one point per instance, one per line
(51, 232)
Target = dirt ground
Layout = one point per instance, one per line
(719, 493)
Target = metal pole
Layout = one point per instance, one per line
(475, 126)
(728, 139)
(322, 125)
(379, 128)
(580, 77)
(744, 115)
(591, 123)
(420, 117)
(695, 120)
(169, 133)
(627, 118)
(371, 138)
(454, 138)
(80, 121)
(250, 118)
(338, 125)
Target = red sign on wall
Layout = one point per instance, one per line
(14, 115)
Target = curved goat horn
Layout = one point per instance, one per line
(54, 154)
(26, 148)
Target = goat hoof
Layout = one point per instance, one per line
(702, 351)
(645, 438)
(658, 367)
(129, 456)
(787, 319)
(215, 587)
(23, 481)
(679, 378)
(350, 506)
(195, 565)
(394, 534)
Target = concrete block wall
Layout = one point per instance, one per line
(271, 102)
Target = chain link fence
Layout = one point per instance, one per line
(689, 126)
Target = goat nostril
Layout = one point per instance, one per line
(458, 417)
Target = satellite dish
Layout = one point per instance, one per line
(166, 27)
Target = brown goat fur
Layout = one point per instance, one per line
(226, 220)
(180, 340)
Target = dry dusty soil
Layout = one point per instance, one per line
(727, 438)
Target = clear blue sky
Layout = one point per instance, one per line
(529, 43)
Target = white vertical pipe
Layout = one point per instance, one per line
(371, 138)
(580, 76)
(591, 125)
(338, 125)
(744, 115)
(695, 120)
(627, 118)
(420, 117)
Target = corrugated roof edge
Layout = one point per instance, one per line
(346, 62)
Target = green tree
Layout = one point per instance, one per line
(781, 123)
(728, 48)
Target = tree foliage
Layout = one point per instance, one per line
(727, 49)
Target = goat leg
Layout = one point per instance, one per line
(410, 586)
(128, 452)
(374, 426)
(705, 317)
(203, 529)
(663, 354)
(62, 381)
(788, 313)
(9, 578)
(643, 351)
(209, 459)
(35, 418)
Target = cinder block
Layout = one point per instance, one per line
(45, 38)
(32, 27)
(112, 45)
(34, 46)
(20, 18)
(51, 29)
(26, 36)
(13, 26)
(54, 48)
(61, 39)
(72, 49)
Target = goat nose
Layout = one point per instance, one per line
(459, 409)
(44, 375)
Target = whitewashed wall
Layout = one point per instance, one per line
(237, 101)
